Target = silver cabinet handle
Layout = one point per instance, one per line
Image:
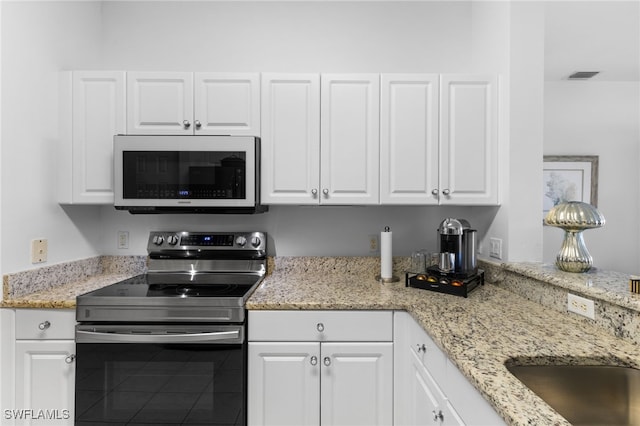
(44, 325)
(70, 359)
(186, 124)
(325, 191)
(421, 348)
(434, 192)
(314, 360)
(198, 124)
(320, 327)
(446, 192)
(327, 361)
(314, 192)
(438, 416)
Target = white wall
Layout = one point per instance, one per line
(600, 118)
(288, 36)
(38, 40)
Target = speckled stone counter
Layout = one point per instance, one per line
(617, 310)
(57, 286)
(481, 333)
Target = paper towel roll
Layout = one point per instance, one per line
(386, 262)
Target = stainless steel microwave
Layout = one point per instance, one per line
(187, 174)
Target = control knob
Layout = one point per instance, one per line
(172, 239)
(241, 241)
(255, 241)
(158, 240)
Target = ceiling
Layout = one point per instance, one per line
(593, 36)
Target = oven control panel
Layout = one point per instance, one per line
(169, 240)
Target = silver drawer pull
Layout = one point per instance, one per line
(320, 327)
(314, 360)
(70, 359)
(327, 361)
(44, 325)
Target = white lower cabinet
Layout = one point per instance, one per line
(38, 376)
(429, 389)
(328, 368)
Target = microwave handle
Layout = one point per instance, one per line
(129, 337)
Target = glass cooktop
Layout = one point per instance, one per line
(180, 285)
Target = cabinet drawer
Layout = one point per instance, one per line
(45, 324)
(352, 326)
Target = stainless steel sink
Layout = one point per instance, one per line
(586, 395)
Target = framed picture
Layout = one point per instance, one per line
(569, 178)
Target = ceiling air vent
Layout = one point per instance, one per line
(583, 75)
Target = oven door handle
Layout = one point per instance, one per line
(83, 336)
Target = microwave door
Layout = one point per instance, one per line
(185, 171)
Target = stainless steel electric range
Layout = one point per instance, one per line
(169, 346)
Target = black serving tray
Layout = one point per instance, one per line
(434, 280)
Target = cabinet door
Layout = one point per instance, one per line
(357, 384)
(424, 400)
(409, 138)
(290, 138)
(99, 113)
(45, 379)
(469, 403)
(227, 104)
(284, 383)
(160, 103)
(350, 159)
(469, 140)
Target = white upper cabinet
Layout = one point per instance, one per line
(93, 109)
(290, 138)
(185, 103)
(439, 139)
(349, 147)
(320, 140)
(469, 140)
(409, 138)
(227, 104)
(160, 103)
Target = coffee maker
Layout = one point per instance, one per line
(457, 270)
(457, 251)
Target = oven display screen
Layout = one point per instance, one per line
(216, 240)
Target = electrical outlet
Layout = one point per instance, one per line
(123, 239)
(39, 251)
(373, 243)
(581, 306)
(495, 248)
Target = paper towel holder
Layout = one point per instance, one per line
(379, 277)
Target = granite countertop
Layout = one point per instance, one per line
(481, 333)
(63, 296)
(57, 286)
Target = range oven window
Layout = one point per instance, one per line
(143, 383)
(184, 175)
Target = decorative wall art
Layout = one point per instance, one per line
(569, 178)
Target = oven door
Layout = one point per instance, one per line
(160, 374)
